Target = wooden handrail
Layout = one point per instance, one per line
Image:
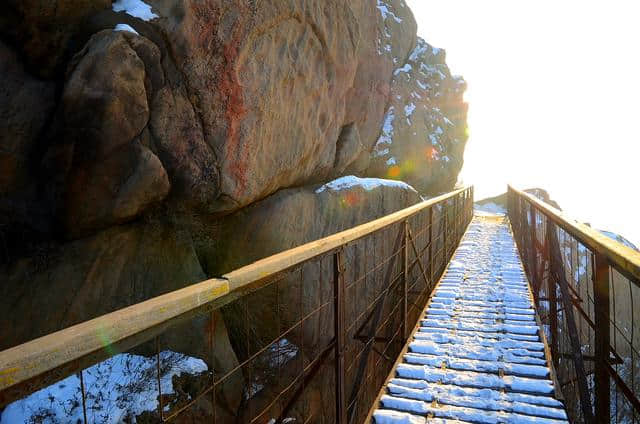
(279, 262)
(623, 258)
(77, 347)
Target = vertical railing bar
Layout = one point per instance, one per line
(553, 303)
(301, 305)
(84, 397)
(431, 246)
(558, 267)
(534, 254)
(602, 337)
(339, 307)
(212, 359)
(245, 303)
(160, 405)
(444, 225)
(405, 278)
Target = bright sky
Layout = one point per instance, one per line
(554, 95)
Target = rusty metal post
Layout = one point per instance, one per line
(602, 337)
(444, 225)
(339, 328)
(553, 299)
(455, 217)
(557, 268)
(431, 246)
(405, 278)
(533, 261)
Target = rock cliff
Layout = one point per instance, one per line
(142, 145)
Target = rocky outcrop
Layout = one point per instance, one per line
(144, 144)
(424, 131)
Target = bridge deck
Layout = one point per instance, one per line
(476, 354)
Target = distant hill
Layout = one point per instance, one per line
(498, 205)
(619, 239)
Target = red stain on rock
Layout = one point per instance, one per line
(235, 112)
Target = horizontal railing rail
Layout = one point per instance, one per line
(364, 285)
(587, 291)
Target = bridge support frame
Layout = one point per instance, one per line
(602, 338)
(405, 279)
(339, 313)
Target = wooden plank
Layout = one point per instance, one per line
(621, 257)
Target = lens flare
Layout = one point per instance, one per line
(394, 172)
(106, 342)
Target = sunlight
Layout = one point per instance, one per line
(549, 107)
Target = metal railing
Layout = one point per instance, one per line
(314, 331)
(587, 292)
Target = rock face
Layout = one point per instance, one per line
(424, 131)
(142, 144)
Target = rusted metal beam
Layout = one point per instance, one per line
(430, 264)
(557, 268)
(415, 251)
(339, 331)
(623, 258)
(602, 338)
(553, 308)
(405, 277)
(628, 392)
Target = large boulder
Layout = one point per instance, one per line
(109, 175)
(221, 103)
(269, 82)
(300, 215)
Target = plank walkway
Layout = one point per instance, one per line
(476, 355)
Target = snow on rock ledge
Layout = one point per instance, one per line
(368, 184)
(135, 8)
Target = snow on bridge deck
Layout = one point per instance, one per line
(476, 355)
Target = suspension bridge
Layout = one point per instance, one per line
(429, 315)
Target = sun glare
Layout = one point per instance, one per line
(553, 90)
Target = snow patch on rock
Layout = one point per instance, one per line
(386, 137)
(386, 13)
(135, 8)
(126, 28)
